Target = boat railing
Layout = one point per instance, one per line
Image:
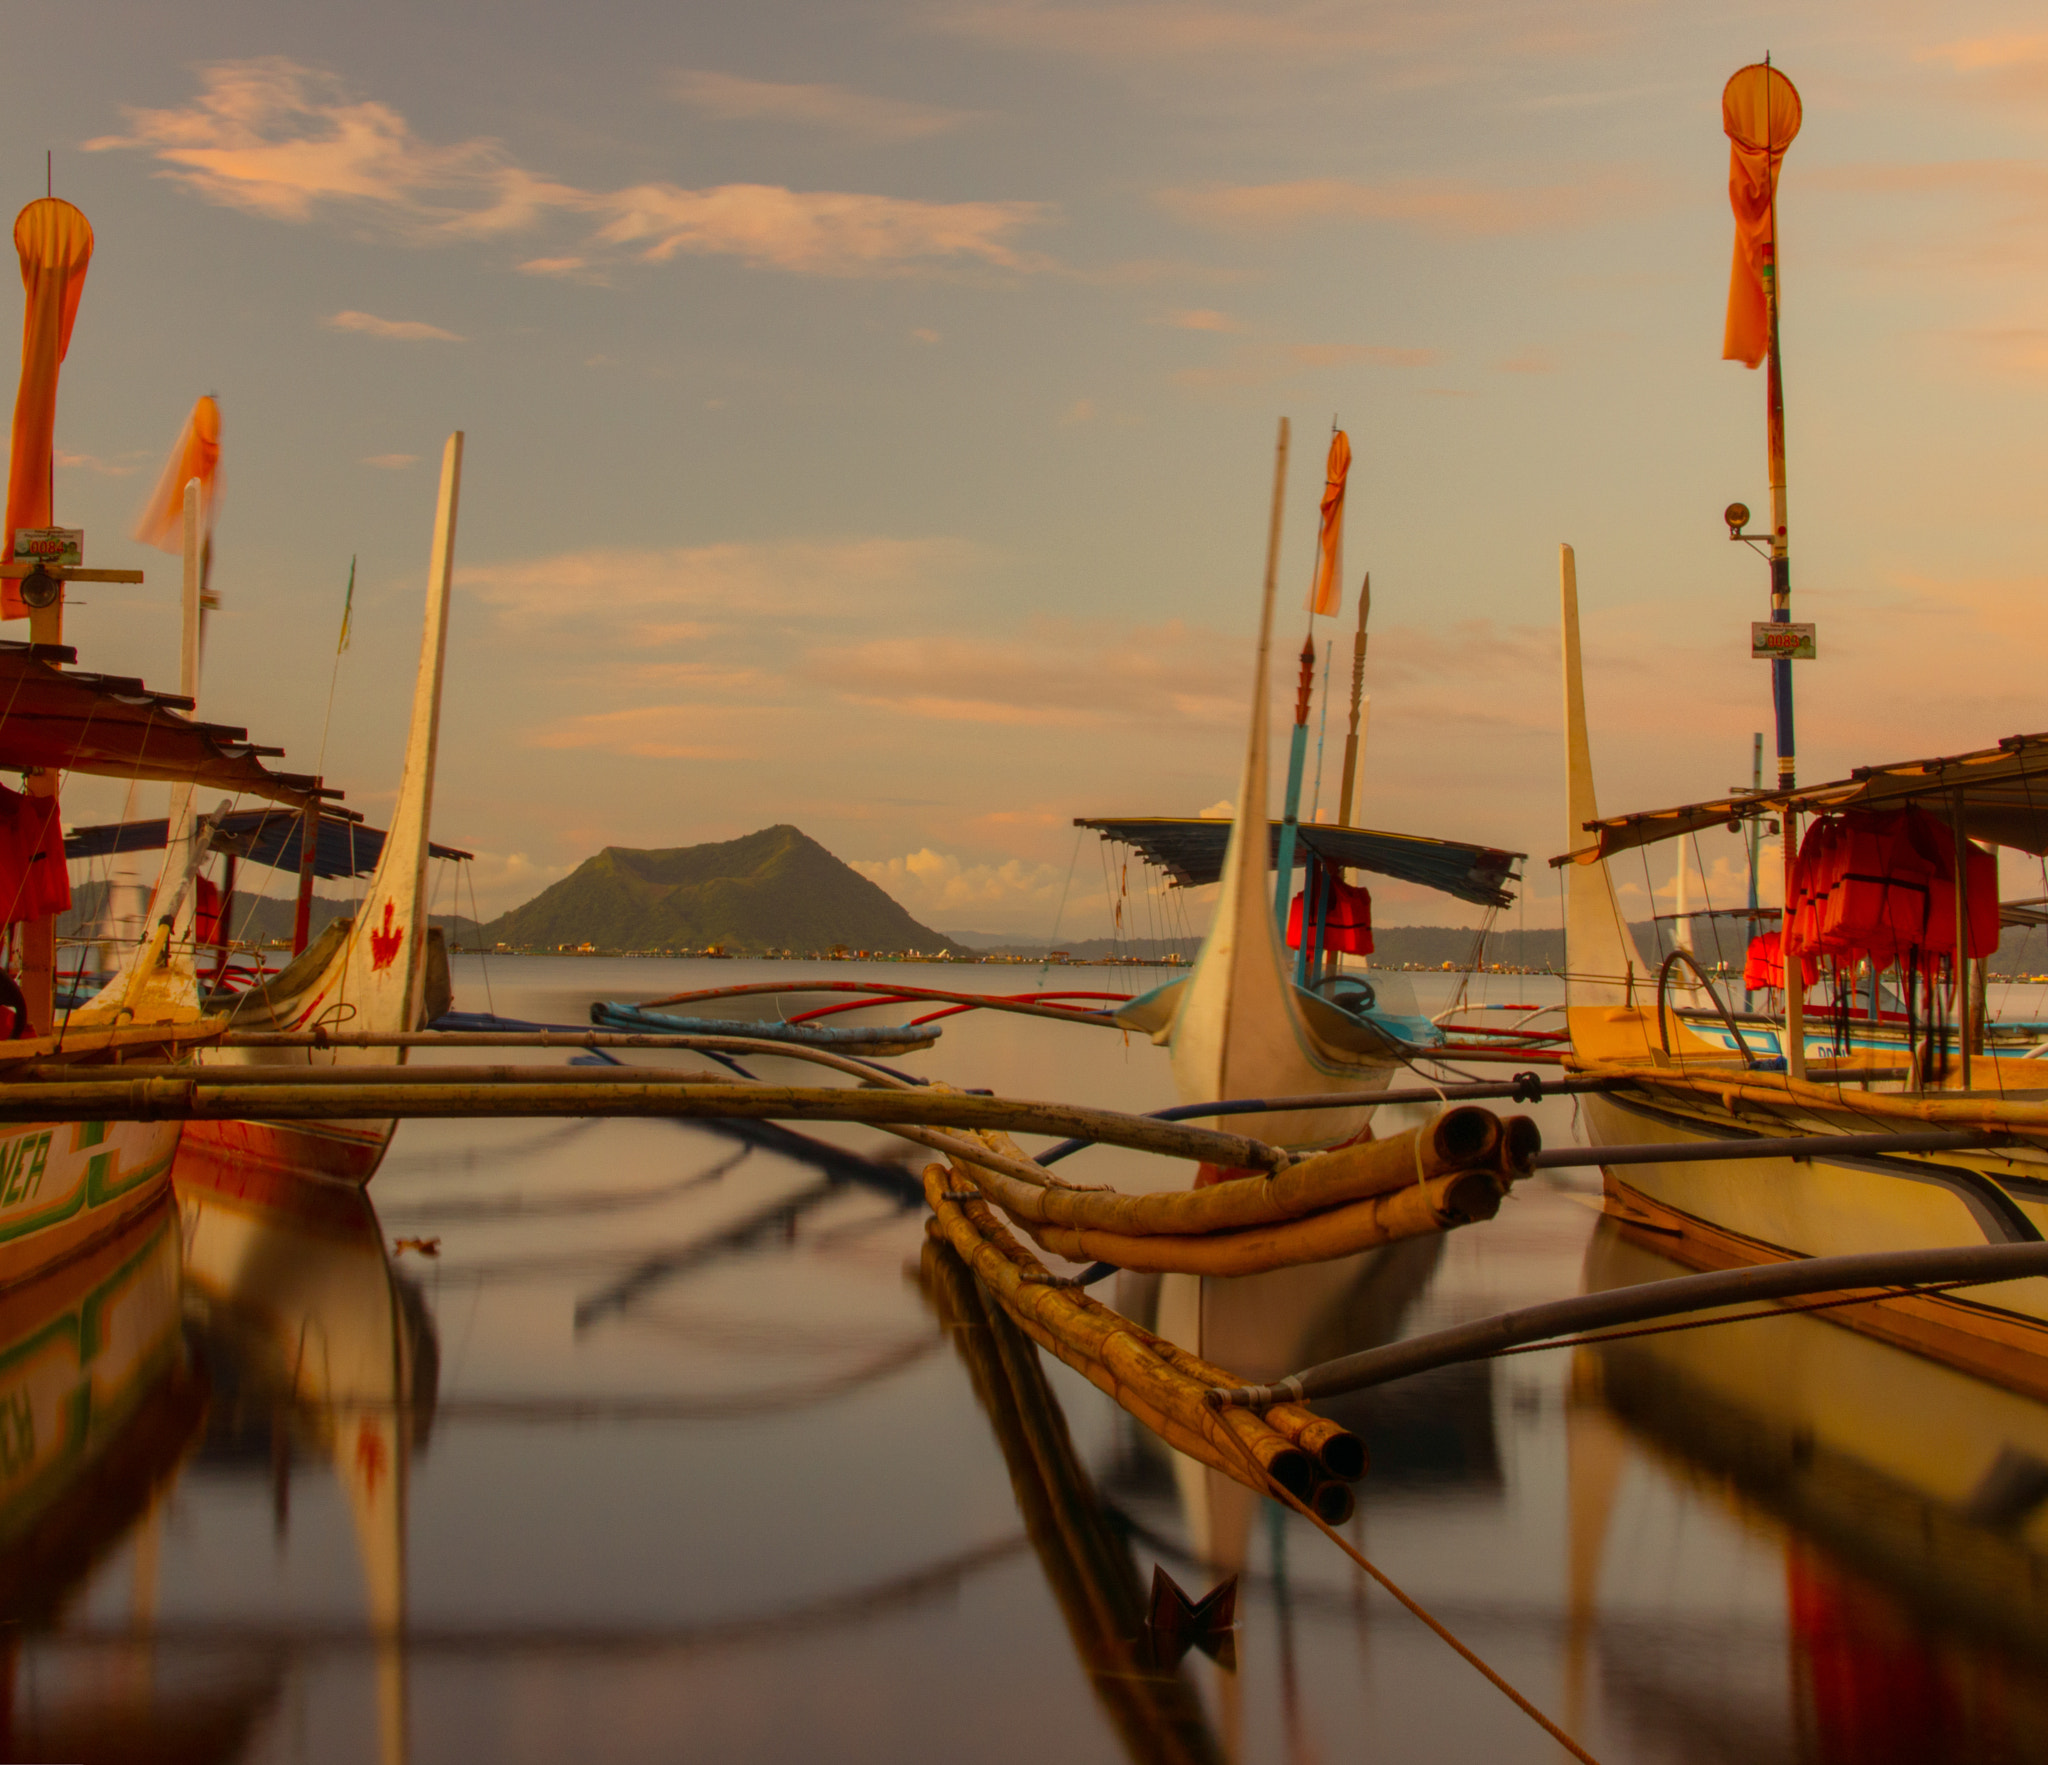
(1665, 1014)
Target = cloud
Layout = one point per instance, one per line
(2011, 65)
(1530, 361)
(1082, 410)
(275, 138)
(503, 880)
(1051, 673)
(732, 98)
(681, 593)
(655, 732)
(114, 468)
(2007, 349)
(1155, 28)
(820, 232)
(1266, 364)
(924, 334)
(399, 330)
(926, 882)
(1200, 318)
(391, 462)
(1443, 206)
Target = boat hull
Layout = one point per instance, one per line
(67, 1186)
(336, 1151)
(1742, 1212)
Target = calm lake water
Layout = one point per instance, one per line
(666, 1455)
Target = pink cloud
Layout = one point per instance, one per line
(278, 139)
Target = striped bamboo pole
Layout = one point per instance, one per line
(1335, 1449)
(1400, 1182)
(1113, 1353)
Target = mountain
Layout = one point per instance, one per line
(773, 890)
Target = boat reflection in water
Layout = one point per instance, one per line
(245, 1308)
(317, 1346)
(1910, 1504)
(100, 1406)
(1154, 1709)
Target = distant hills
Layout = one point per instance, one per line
(257, 919)
(773, 890)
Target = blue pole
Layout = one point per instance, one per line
(1290, 819)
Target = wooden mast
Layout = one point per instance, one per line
(1351, 739)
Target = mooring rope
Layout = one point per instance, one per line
(1471, 1656)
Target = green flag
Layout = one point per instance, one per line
(348, 606)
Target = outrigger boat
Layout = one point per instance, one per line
(383, 972)
(1970, 1161)
(1248, 1021)
(1891, 872)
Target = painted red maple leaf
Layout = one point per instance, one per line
(385, 944)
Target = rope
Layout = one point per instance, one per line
(1442, 1630)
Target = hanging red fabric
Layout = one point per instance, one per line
(1882, 886)
(1347, 919)
(1765, 965)
(207, 913)
(34, 882)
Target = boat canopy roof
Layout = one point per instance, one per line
(2000, 795)
(58, 717)
(346, 845)
(1191, 852)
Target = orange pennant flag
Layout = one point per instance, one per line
(1760, 111)
(55, 243)
(1328, 593)
(196, 454)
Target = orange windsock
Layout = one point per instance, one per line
(196, 454)
(1760, 112)
(1328, 592)
(55, 243)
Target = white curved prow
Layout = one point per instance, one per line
(383, 980)
(1236, 1032)
(1603, 969)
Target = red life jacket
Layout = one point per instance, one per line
(1346, 910)
(1765, 964)
(1882, 886)
(34, 883)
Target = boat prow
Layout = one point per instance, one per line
(378, 972)
(1238, 1027)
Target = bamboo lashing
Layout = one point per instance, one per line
(1124, 1360)
(1449, 1173)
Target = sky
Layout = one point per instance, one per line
(870, 406)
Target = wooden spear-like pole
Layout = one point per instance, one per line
(1351, 740)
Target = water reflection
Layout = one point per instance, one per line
(318, 1505)
(320, 1349)
(1086, 1561)
(99, 1407)
(1909, 1503)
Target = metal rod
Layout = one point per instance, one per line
(1631, 1305)
(1800, 1146)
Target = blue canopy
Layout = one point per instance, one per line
(1191, 852)
(347, 845)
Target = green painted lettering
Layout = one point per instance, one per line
(17, 1434)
